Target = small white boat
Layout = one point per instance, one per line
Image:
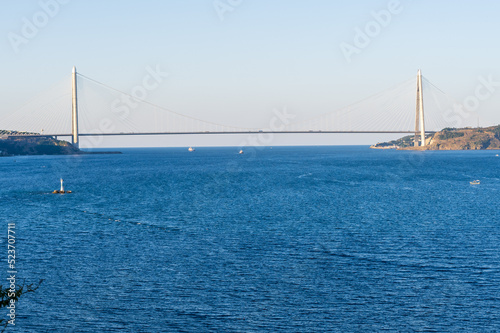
(475, 182)
(191, 149)
(241, 151)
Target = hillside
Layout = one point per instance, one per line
(19, 145)
(451, 139)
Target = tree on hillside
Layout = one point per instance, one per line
(7, 296)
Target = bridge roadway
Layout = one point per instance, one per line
(216, 133)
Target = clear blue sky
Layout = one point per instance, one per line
(264, 54)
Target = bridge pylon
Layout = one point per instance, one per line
(419, 114)
(74, 112)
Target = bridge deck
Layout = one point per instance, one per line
(218, 133)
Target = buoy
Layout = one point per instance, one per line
(61, 191)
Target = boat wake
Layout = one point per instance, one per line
(305, 175)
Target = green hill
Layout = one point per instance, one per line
(13, 143)
(451, 139)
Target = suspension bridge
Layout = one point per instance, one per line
(98, 110)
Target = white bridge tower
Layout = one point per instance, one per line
(74, 113)
(419, 114)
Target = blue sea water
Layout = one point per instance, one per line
(288, 239)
